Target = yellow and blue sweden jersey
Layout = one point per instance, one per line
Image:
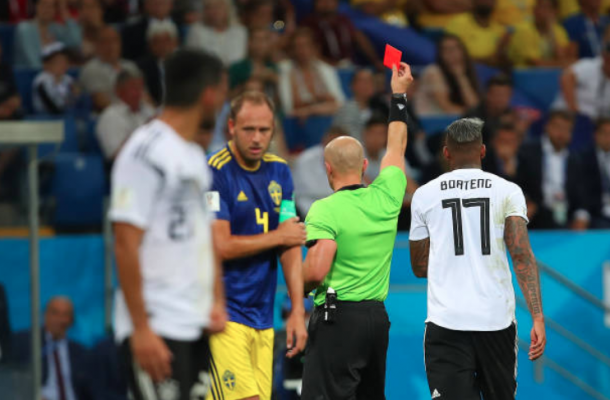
(250, 200)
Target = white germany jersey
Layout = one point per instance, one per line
(159, 182)
(469, 278)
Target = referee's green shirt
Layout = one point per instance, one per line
(363, 224)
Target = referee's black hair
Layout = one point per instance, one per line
(188, 73)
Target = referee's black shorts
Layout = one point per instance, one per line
(462, 365)
(189, 381)
(346, 359)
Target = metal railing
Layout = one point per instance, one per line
(553, 325)
(545, 361)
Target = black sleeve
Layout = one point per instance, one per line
(47, 100)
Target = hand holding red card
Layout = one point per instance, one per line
(392, 57)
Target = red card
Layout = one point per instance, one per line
(392, 57)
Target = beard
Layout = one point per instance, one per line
(483, 11)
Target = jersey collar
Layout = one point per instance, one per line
(351, 187)
(242, 166)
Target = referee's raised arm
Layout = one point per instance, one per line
(397, 128)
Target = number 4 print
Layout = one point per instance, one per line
(458, 233)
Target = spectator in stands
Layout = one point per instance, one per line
(593, 205)
(53, 90)
(496, 108)
(514, 12)
(436, 14)
(450, 86)
(543, 42)
(485, 39)
(162, 41)
(5, 328)
(65, 363)
(91, 22)
(392, 12)
(546, 174)
(258, 65)
(110, 383)
(338, 37)
(501, 158)
(10, 101)
(309, 173)
(308, 86)
(277, 16)
(220, 32)
(32, 36)
(98, 76)
(354, 114)
(586, 28)
(135, 43)
(127, 113)
(585, 86)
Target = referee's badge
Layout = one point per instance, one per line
(275, 191)
(228, 378)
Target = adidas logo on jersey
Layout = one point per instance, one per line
(436, 394)
(400, 106)
(242, 196)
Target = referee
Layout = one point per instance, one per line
(351, 237)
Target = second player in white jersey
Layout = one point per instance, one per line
(159, 185)
(469, 278)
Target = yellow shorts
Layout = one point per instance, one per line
(242, 363)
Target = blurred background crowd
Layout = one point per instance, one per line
(536, 71)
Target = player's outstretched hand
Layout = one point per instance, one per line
(296, 333)
(538, 340)
(218, 318)
(152, 354)
(292, 232)
(401, 78)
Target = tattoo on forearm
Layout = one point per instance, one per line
(420, 252)
(526, 269)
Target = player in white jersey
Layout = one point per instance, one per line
(171, 287)
(462, 224)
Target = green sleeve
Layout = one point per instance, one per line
(392, 182)
(320, 223)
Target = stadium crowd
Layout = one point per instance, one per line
(100, 63)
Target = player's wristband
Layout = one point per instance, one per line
(287, 210)
(398, 108)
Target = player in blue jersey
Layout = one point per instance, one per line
(252, 193)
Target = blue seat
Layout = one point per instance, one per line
(345, 76)
(541, 85)
(72, 141)
(304, 135)
(437, 124)
(24, 77)
(78, 186)
(7, 40)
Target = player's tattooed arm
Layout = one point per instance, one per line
(524, 262)
(420, 252)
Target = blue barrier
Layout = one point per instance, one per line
(74, 266)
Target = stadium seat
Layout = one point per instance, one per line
(541, 85)
(71, 143)
(434, 125)
(7, 39)
(24, 78)
(304, 135)
(78, 186)
(345, 76)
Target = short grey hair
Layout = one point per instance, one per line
(156, 27)
(127, 74)
(465, 131)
